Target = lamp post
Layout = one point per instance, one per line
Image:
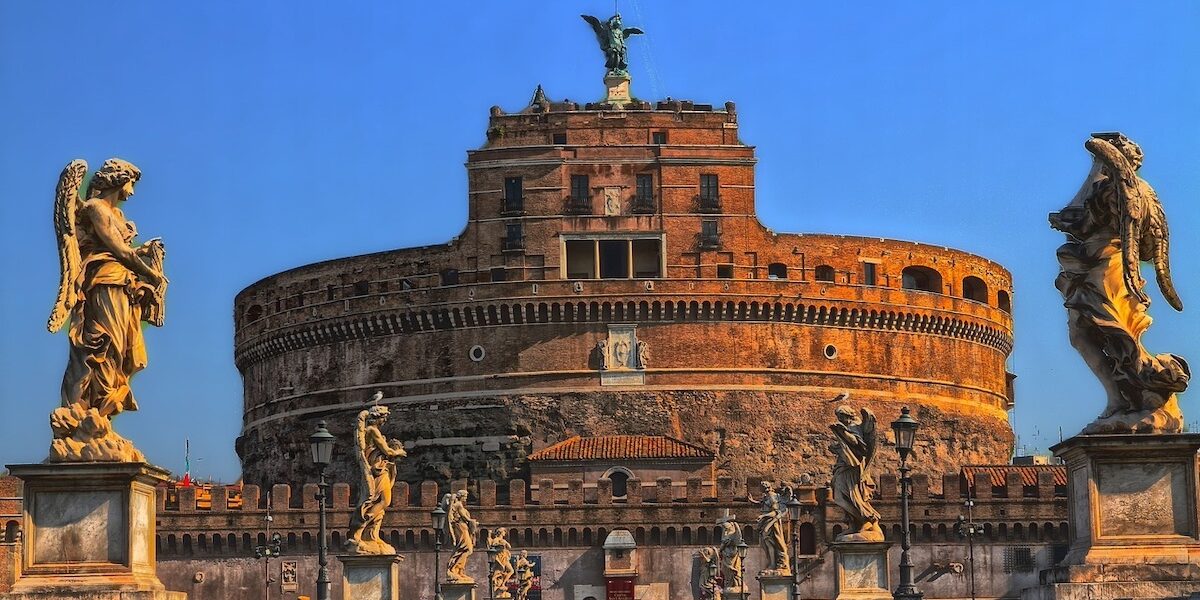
(491, 552)
(793, 507)
(268, 549)
(742, 550)
(905, 429)
(321, 444)
(438, 517)
(966, 528)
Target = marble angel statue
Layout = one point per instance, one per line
(376, 459)
(502, 570)
(109, 286)
(1113, 224)
(852, 483)
(772, 529)
(461, 531)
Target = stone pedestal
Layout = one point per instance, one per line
(370, 576)
(618, 89)
(775, 587)
(459, 591)
(89, 532)
(736, 594)
(862, 570)
(1133, 517)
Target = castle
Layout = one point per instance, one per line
(612, 279)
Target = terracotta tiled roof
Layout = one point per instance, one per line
(998, 474)
(621, 447)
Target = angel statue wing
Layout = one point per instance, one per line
(360, 457)
(66, 203)
(628, 31)
(868, 431)
(444, 504)
(601, 30)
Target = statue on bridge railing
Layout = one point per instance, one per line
(376, 458)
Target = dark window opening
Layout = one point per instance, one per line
(921, 278)
(449, 276)
(1004, 301)
(647, 258)
(581, 259)
(808, 539)
(869, 277)
(710, 195)
(581, 195)
(614, 259)
(725, 271)
(620, 483)
(643, 201)
(710, 237)
(514, 236)
(824, 273)
(973, 288)
(658, 137)
(776, 271)
(254, 313)
(514, 195)
(498, 273)
(330, 290)
(560, 139)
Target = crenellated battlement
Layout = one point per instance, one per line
(230, 520)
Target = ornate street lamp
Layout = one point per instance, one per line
(492, 551)
(905, 429)
(438, 518)
(742, 549)
(967, 528)
(321, 444)
(793, 507)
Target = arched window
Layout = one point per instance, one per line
(776, 271)
(619, 477)
(973, 288)
(824, 273)
(808, 539)
(921, 278)
(1003, 301)
(11, 530)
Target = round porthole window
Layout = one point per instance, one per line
(476, 353)
(831, 352)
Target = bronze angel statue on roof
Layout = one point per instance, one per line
(109, 286)
(612, 36)
(1113, 224)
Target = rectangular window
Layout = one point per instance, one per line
(498, 273)
(449, 276)
(581, 259)
(614, 259)
(645, 188)
(514, 195)
(580, 190)
(647, 258)
(560, 139)
(725, 271)
(869, 274)
(709, 188)
(514, 236)
(708, 228)
(659, 137)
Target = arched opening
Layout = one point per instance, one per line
(921, 278)
(619, 476)
(254, 313)
(1003, 301)
(776, 271)
(973, 288)
(12, 529)
(823, 273)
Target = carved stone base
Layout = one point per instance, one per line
(775, 587)
(862, 570)
(458, 591)
(370, 577)
(1133, 515)
(89, 532)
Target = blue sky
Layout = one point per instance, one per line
(274, 134)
